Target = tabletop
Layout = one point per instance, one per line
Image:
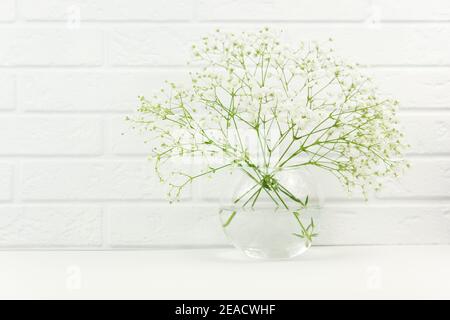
(336, 272)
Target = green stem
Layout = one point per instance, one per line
(230, 218)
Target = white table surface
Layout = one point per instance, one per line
(321, 273)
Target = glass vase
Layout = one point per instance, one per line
(272, 214)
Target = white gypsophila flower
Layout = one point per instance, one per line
(298, 106)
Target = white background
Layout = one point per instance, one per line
(69, 179)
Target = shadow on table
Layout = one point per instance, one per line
(312, 255)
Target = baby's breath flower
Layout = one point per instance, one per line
(260, 105)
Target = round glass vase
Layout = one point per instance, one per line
(272, 215)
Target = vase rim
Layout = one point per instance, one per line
(269, 206)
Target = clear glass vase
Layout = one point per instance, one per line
(272, 215)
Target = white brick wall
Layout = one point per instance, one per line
(89, 180)
(55, 226)
(7, 10)
(25, 46)
(7, 94)
(50, 135)
(108, 10)
(86, 91)
(70, 179)
(6, 176)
